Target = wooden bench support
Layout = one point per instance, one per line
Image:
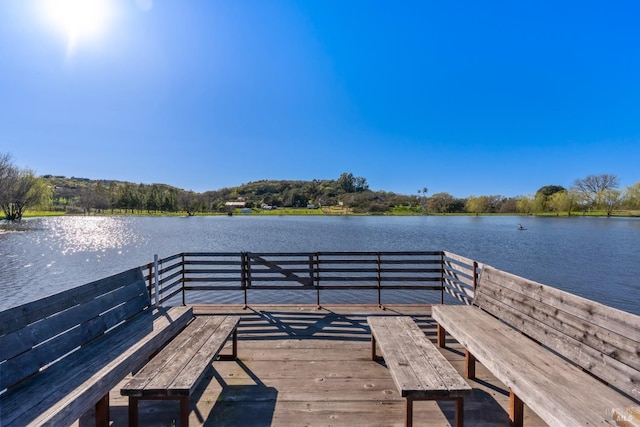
(419, 370)
(441, 333)
(470, 364)
(176, 370)
(102, 412)
(459, 410)
(516, 410)
(185, 408)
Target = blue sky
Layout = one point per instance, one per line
(469, 98)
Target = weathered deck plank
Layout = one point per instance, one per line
(302, 366)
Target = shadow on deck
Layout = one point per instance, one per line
(299, 366)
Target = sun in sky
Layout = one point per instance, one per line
(78, 20)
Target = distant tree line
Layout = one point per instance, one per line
(21, 190)
(593, 193)
(77, 195)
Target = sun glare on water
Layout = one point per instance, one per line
(78, 20)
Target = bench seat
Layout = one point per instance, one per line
(419, 370)
(70, 387)
(558, 391)
(573, 361)
(177, 369)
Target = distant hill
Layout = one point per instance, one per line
(78, 195)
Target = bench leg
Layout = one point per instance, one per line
(409, 413)
(234, 350)
(516, 410)
(373, 347)
(441, 336)
(133, 411)
(470, 364)
(102, 411)
(184, 411)
(459, 417)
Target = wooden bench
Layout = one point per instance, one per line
(61, 355)
(176, 370)
(572, 361)
(419, 370)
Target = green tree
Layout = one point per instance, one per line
(113, 195)
(544, 194)
(20, 189)
(351, 184)
(632, 196)
(346, 182)
(549, 190)
(559, 202)
(611, 199)
(476, 204)
(441, 203)
(539, 203)
(524, 205)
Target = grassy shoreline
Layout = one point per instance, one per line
(337, 212)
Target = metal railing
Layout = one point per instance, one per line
(442, 272)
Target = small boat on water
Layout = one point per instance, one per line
(520, 227)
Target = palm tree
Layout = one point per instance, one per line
(424, 197)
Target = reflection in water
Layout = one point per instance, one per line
(47, 255)
(93, 234)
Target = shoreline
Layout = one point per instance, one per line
(321, 212)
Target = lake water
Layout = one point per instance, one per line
(598, 258)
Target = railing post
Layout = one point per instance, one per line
(156, 282)
(183, 281)
(243, 279)
(149, 277)
(317, 273)
(441, 277)
(379, 261)
(246, 267)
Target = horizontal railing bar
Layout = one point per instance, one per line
(212, 271)
(171, 295)
(166, 270)
(212, 254)
(375, 270)
(172, 285)
(171, 277)
(170, 258)
(266, 269)
(210, 279)
(202, 262)
(405, 253)
(388, 287)
(214, 288)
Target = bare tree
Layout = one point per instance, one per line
(189, 202)
(6, 171)
(593, 188)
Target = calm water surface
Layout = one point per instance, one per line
(598, 258)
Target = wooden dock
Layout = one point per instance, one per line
(303, 366)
